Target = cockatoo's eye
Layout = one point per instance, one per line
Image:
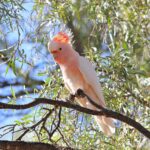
(60, 48)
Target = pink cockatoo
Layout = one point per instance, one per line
(78, 73)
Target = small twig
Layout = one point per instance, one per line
(63, 138)
(58, 124)
(44, 122)
(10, 125)
(35, 125)
(7, 129)
(140, 100)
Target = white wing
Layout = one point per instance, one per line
(90, 76)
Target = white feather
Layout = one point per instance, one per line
(89, 74)
(91, 78)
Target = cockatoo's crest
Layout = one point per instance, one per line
(63, 37)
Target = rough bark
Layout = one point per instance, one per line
(21, 145)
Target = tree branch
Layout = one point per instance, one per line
(104, 111)
(15, 145)
(43, 120)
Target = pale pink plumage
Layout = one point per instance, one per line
(78, 73)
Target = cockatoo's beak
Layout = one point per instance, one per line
(54, 51)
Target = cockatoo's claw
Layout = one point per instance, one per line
(62, 85)
(71, 97)
(79, 93)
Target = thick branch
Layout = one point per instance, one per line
(20, 145)
(105, 112)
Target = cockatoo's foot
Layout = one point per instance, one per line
(79, 93)
(71, 97)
